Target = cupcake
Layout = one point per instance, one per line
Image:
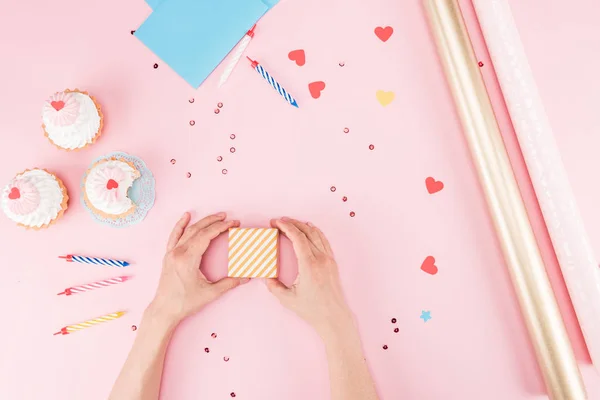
(71, 120)
(105, 187)
(34, 199)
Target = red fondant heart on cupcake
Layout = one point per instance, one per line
(316, 88)
(429, 266)
(112, 184)
(58, 105)
(14, 194)
(299, 56)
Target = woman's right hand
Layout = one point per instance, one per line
(316, 295)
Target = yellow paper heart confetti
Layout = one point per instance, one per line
(385, 98)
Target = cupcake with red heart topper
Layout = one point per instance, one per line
(106, 185)
(72, 119)
(34, 199)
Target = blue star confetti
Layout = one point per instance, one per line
(425, 316)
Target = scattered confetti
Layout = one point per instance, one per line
(385, 347)
(346, 130)
(232, 394)
(433, 186)
(396, 330)
(394, 320)
(232, 136)
(371, 147)
(480, 64)
(425, 316)
(191, 100)
(315, 89)
(352, 213)
(133, 328)
(189, 174)
(224, 172)
(213, 335)
(344, 199)
(333, 189)
(217, 111)
(232, 149)
(192, 123)
(220, 105)
(385, 98)
(173, 161)
(299, 56)
(155, 66)
(384, 33)
(219, 159)
(342, 64)
(225, 358)
(206, 350)
(132, 32)
(429, 266)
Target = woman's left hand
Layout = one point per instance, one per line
(183, 290)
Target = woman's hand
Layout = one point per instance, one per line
(316, 295)
(183, 290)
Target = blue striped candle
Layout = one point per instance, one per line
(259, 68)
(95, 260)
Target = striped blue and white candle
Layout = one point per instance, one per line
(95, 260)
(259, 68)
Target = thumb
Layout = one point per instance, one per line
(278, 289)
(227, 284)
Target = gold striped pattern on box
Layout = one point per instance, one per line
(253, 252)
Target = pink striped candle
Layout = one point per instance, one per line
(95, 285)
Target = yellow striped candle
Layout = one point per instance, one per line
(253, 252)
(89, 323)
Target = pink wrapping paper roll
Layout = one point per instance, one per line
(549, 178)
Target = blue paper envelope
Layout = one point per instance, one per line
(154, 3)
(194, 36)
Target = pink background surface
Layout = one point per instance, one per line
(475, 346)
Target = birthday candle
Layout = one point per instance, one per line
(95, 260)
(89, 323)
(95, 285)
(288, 97)
(235, 58)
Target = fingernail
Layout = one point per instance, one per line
(285, 219)
(309, 224)
(221, 215)
(244, 280)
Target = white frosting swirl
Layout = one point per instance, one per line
(106, 197)
(50, 201)
(80, 133)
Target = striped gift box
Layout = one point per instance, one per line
(253, 252)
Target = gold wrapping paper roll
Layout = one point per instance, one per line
(538, 305)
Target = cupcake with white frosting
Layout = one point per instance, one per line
(72, 119)
(106, 187)
(34, 199)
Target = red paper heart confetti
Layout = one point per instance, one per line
(299, 56)
(58, 105)
(433, 186)
(429, 266)
(112, 184)
(384, 33)
(14, 194)
(316, 88)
